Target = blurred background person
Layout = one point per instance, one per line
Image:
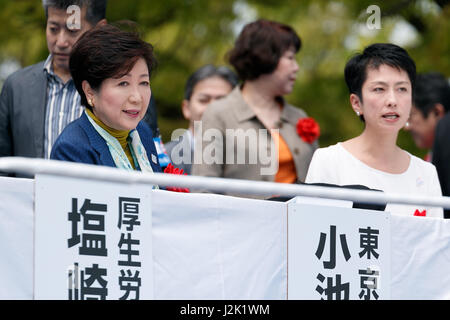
(381, 82)
(441, 152)
(431, 103)
(111, 70)
(264, 57)
(204, 86)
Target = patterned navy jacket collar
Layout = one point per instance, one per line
(100, 146)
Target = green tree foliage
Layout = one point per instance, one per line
(187, 34)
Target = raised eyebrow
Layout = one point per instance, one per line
(121, 78)
(141, 76)
(53, 24)
(379, 83)
(385, 83)
(204, 95)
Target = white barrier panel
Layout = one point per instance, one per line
(420, 249)
(219, 247)
(93, 240)
(16, 238)
(338, 253)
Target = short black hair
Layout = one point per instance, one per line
(95, 9)
(373, 57)
(260, 46)
(105, 52)
(431, 88)
(209, 71)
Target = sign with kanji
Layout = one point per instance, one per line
(93, 240)
(337, 253)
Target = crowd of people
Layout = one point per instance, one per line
(90, 101)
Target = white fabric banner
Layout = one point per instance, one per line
(220, 247)
(420, 254)
(16, 238)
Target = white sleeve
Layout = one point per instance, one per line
(317, 172)
(435, 190)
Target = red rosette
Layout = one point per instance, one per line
(420, 214)
(308, 129)
(173, 170)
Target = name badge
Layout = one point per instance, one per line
(154, 159)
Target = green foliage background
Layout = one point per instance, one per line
(187, 34)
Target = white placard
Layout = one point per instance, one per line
(93, 240)
(338, 253)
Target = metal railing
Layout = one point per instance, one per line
(32, 167)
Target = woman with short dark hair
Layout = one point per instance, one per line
(111, 70)
(260, 46)
(381, 82)
(264, 58)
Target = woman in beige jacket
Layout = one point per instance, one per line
(253, 133)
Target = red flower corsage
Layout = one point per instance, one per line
(308, 129)
(420, 214)
(172, 170)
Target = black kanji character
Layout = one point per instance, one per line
(92, 243)
(331, 264)
(369, 283)
(88, 290)
(129, 283)
(128, 242)
(331, 290)
(129, 212)
(369, 242)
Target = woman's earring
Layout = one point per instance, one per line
(407, 124)
(90, 102)
(357, 113)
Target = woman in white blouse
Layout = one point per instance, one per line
(381, 83)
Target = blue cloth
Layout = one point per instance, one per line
(80, 142)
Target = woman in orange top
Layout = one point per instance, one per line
(264, 58)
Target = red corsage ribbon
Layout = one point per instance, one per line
(308, 129)
(420, 214)
(173, 170)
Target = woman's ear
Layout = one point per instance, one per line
(356, 104)
(88, 91)
(439, 110)
(186, 109)
(101, 23)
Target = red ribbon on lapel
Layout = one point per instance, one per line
(420, 214)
